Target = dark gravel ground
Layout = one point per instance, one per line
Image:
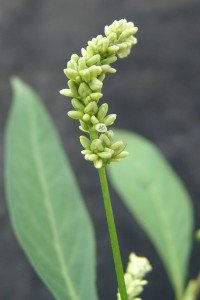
(158, 97)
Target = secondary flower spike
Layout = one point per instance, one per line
(86, 74)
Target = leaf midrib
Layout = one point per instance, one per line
(47, 203)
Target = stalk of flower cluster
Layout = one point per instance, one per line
(86, 74)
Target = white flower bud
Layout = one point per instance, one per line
(105, 155)
(66, 92)
(98, 163)
(86, 118)
(100, 127)
(96, 96)
(91, 157)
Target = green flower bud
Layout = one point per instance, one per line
(85, 152)
(85, 142)
(103, 109)
(91, 157)
(94, 120)
(83, 126)
(76, 115)
(96, 96)
(94, 71)
(85, 75)
(127, 33)
(94, 60)
(90, 52)
(101, 77)
(122, 155)
(71, 73)
(100, 127)
(72, 65)
(105, 140)
(109, 120)
(78, 105)
(118, 146)
(105, 155)
(84, 90)
(66, 92)
(109, 60)
(74, 88)
(96, 145)
(75, 57)
(112, 37)
(98, 163)
(86, 118)
(95, 84)
(82, 63)
(91, 108)
(113, 49)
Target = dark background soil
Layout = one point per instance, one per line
(155, 93)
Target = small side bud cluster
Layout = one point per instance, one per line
(86, 74)
(137, 269)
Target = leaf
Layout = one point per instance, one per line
(160, 203)
(46, 207)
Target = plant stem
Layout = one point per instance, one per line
(113, 234)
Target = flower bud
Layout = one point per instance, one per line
(118, 146)
(109, 60)
(74, 88)
(91, 108)
(105, 155)
(82, 63)
(105, 140)
(84, 90)
(94, 71)
(86, 118)
(96, 96)
(72, 64)
(66, 92)
(76, 115)
(100, 127)
(91, 157)
(85, 142)
(71, 73)
(95, 84)
(94, 60)
(112, 37)
(109, 120)
(103, 109)
(94, 120)
(96, 145)
(113, 49)
(122, 155)
(98, 163)
(85, 75)
(78, 105)
(75, 57)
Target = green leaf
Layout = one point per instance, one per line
(46, 207)
(160, 203)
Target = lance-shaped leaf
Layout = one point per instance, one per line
(46, 207)
(160, 203)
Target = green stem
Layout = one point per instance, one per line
(113, 234)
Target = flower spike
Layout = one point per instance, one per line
(86, 74)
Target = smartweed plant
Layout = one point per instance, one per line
(46, 205)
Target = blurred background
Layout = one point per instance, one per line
(155, 93)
